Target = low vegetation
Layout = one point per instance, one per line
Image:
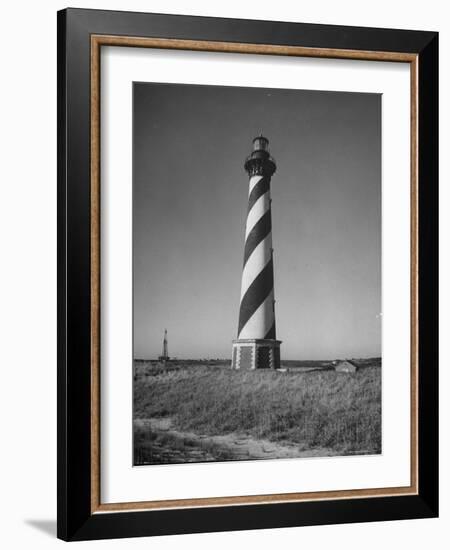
(312, 408)
(162, 448)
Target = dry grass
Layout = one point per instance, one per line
(312, 409)
(165, 448)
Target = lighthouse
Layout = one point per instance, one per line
(165, 349)
(256, 346)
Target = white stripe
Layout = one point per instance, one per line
(256, 262)
(257, 212)
(252, 182)
(261, 321)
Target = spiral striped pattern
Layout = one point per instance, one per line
(257, 312)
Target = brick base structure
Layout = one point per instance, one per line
(253, 354)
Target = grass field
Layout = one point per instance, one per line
(308, 408)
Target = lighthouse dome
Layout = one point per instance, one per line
(260, 143)
(259, 162)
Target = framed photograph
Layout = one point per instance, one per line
(247, 255)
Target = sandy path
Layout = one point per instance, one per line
(242, 446)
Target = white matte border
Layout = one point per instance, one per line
(120, 482)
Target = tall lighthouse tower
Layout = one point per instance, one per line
(256, 346)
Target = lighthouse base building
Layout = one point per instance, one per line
(256, 354)
(256, 346)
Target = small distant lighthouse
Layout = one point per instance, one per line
(165, 349)
(256, 346)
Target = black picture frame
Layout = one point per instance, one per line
(76, 520)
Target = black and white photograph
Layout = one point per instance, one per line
(256, 273)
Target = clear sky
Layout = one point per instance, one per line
(189, 210)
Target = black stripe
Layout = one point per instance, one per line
(258, 190)
(271, 334)
(259, 232)
(256, 293)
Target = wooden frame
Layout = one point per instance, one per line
(81, 34)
